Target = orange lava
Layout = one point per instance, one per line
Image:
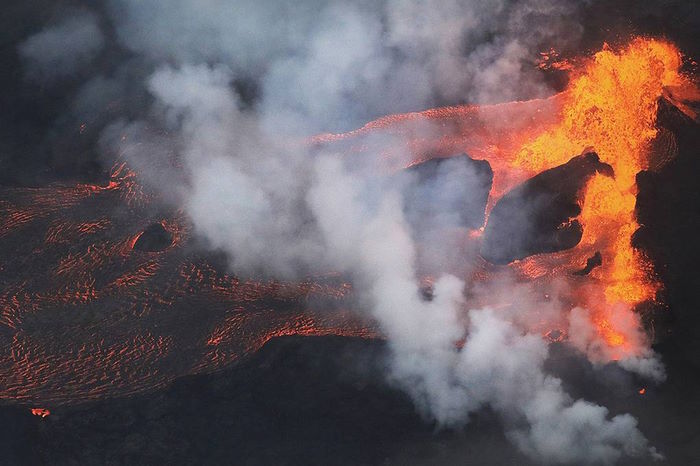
(551, 60)
(610, 105)
(611, 336)
(41, 412)
(83, 315)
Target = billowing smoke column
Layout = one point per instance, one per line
(234, 89)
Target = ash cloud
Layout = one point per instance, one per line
(235, 164)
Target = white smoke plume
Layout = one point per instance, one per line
(276, 208)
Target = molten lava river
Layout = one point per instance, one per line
(102, 297)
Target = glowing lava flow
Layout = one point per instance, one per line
(84, 314)
(611, 105)
(41, 412)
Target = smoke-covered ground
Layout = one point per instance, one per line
(205, 81)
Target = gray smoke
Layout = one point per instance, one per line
(325, 65)
(252, 190)
(64, 49)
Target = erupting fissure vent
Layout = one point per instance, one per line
(610, 107)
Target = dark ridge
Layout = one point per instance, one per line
(445, 192)
(153, 239)
(538, 215)
(596, 260)
(668, 210)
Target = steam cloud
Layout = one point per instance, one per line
(231, 83)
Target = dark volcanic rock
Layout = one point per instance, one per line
(596, 260)
(321, 401)
(537, 216)
(447, 192)
(296, 401)
(154, 238)
(668, 210)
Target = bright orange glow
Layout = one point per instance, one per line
(612, 337)
(41, 412)
(551, 60)
(611, 106)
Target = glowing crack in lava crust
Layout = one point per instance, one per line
(89, 310)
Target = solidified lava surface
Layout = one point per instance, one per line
(100, 298)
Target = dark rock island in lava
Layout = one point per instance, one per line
(539, 215)
(154, 238)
